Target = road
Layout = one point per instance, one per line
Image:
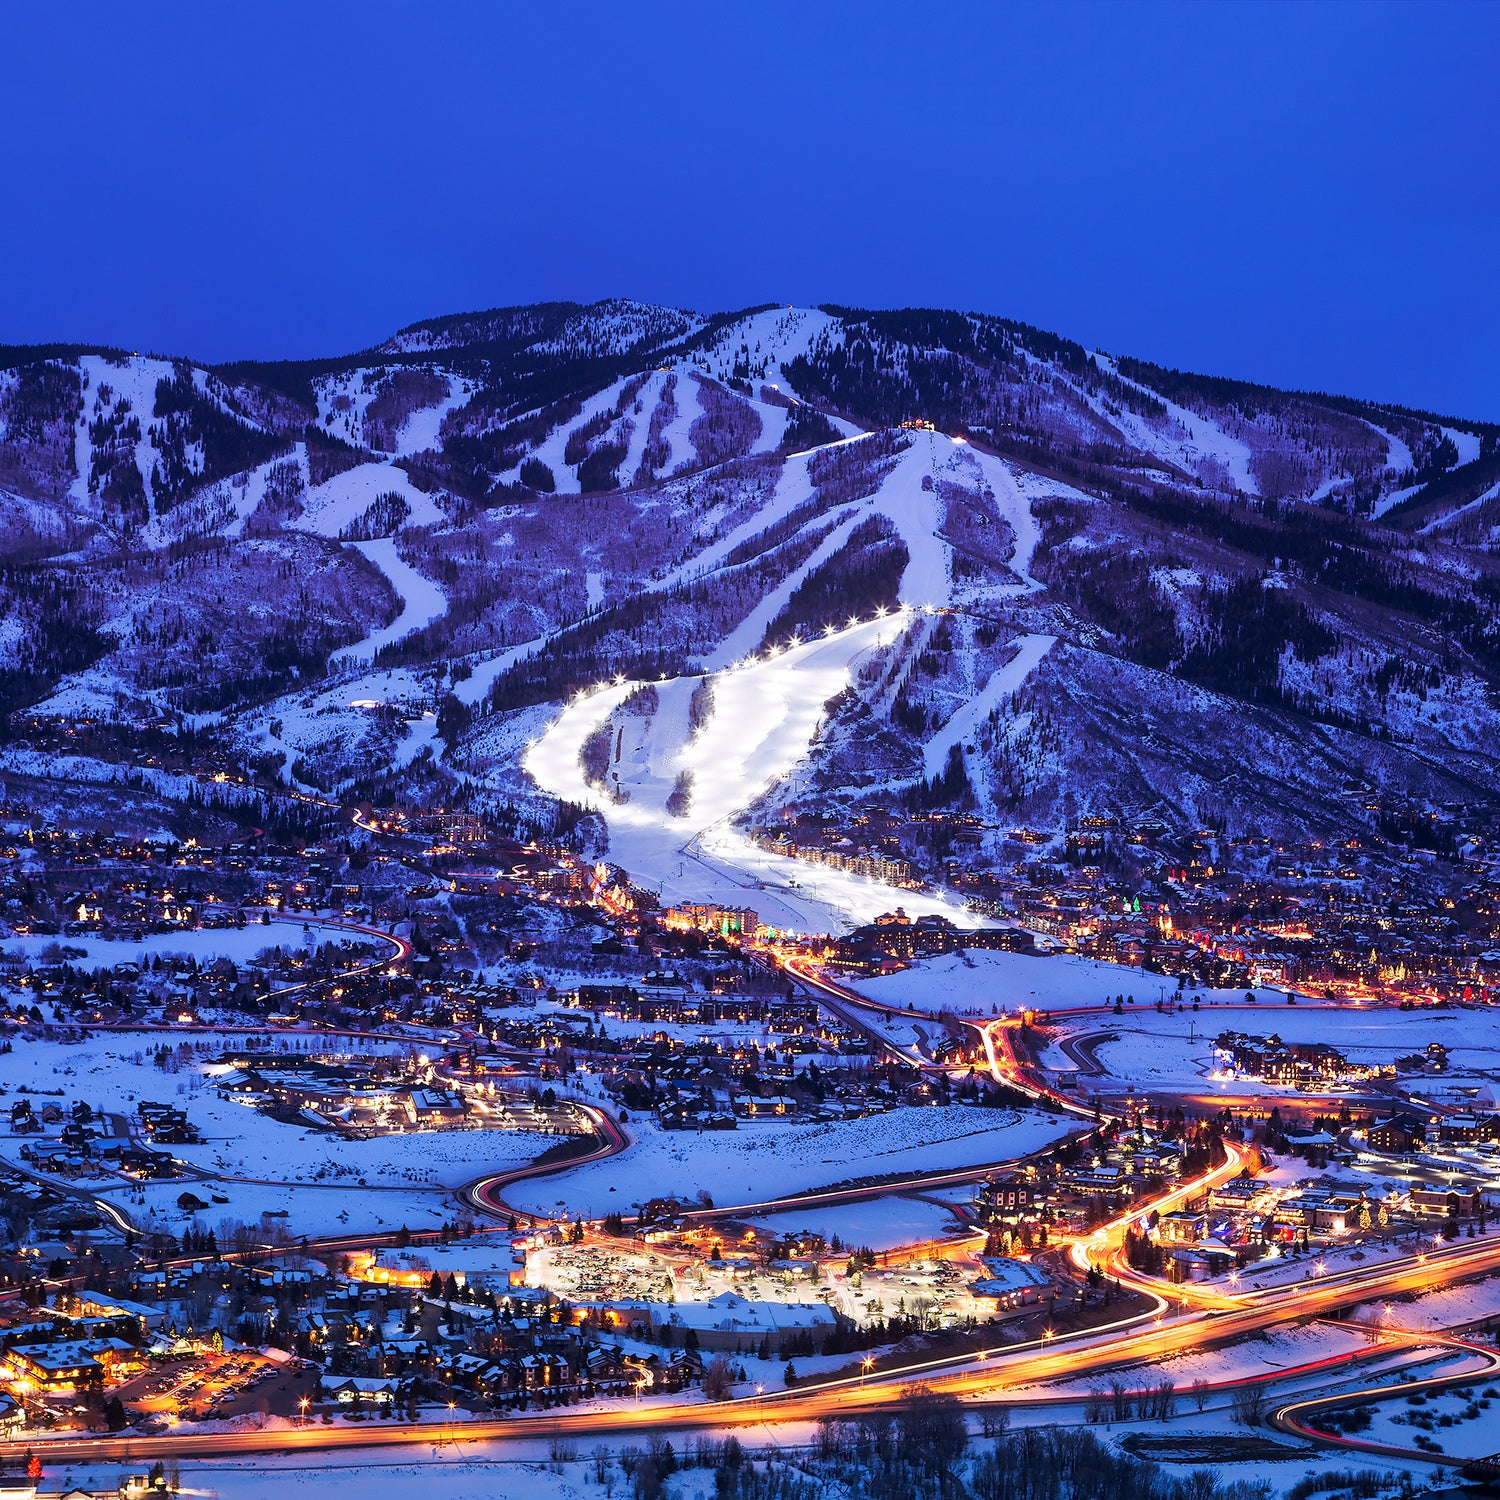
(1006, 1374)
(1139, 1338)
(1299, 1417)
(484, 1192)
(983, 1377)
(847, 1004)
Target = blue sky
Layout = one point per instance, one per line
(1303, 194)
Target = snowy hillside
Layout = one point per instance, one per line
(780, 561)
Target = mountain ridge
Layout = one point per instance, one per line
(512, 506)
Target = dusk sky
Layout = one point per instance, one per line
(1306, 195)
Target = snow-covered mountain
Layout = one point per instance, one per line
(919, 558)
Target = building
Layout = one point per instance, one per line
(726, 921)
(1446, 1203)
(1181, 1228)
(1011, 1285)
(1398, 1136)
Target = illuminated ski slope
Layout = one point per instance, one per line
(767, 714)
(768, 710)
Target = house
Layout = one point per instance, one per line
(1398, 1136)
(55, 1367)
(1010, 1285)
(97, 1304)
(753, 1107)
(1469, 1129)
(1181, 1228)
(1446, 1203)
(1007, 1195)
(1188, 1265)
(360, 1390)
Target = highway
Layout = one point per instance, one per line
(1299, 1417)
(984, 1377)
(1009, 1374)
(1141, 1337)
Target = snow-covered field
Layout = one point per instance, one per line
(1447, 1308)
(1151, 1049)
(877, 1224)
(1280, 1349)
(1459, 1421)
(323, 1181)
(238, 944)
(760, 1162)
(986, 982)
(455, 1470)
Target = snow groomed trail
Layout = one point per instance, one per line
(422, 603)
(1030, 649)
(768, 708)
(767, 713)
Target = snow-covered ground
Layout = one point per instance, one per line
(1279, 1349)
(342, 500)
(1459, 1421)
(1030, 649)
(323, 1181)
(134, 380)
(551, 449)
(238, 944)
(1151, 1049)
(422, 602)
(768, 710)
(878, 1224)
(762, 1161)
(1189, 440)
(776, 336)
(455, 1469)
(1446, 518)
(1467, 443)
(423, 428)
(1450, 1307)
(767, 713)
(984, 982)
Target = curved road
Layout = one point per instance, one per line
(1139, 1337)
